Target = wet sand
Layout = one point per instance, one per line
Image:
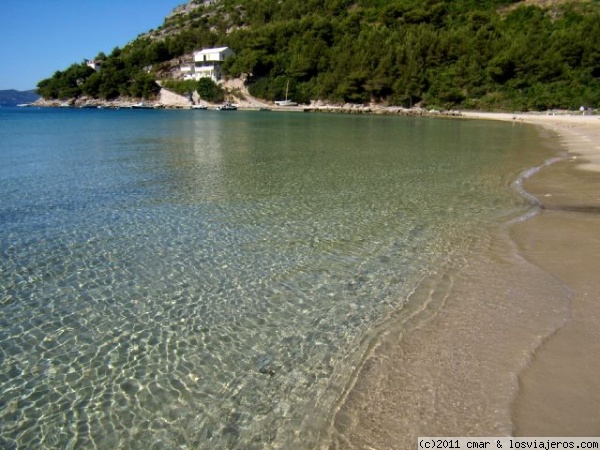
(509, 344)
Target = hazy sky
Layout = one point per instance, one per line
(39, 37)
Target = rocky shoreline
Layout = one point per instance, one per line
(170, 100)
(351, 108)
(165, 100)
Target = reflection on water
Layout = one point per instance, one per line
(186, 279)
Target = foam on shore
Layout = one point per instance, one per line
(509, 346)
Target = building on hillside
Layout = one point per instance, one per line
(207, 64)
(94, 64)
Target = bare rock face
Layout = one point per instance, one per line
(170, 98)
(184, 9)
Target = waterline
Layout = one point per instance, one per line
(210, 282)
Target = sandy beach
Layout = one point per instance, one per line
(508, 345)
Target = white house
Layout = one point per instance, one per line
(94, 64)
(207, 63)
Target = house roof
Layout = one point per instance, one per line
(212, 50)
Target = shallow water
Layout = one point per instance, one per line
(195, 279)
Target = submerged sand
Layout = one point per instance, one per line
(508, 345)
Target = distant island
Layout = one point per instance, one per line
(12, 97)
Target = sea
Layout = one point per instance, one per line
(181, 279)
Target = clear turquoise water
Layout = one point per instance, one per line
(197, 279)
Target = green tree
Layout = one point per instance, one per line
(208, 90)
(143, 86)
(475, 53)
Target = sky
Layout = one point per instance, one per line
(39, 37)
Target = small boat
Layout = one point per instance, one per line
(201, 107)
(141, 105)
(227, 106)
(286, 102)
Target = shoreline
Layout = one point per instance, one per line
(577, 132)
(167, 99)
(170, 100)
(559, 390)
(498, 357)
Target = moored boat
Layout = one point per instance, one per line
(227, 106)
(286, 102)
(141, 105)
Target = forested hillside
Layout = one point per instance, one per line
(489, 54)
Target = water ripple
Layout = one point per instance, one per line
(171, 285)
